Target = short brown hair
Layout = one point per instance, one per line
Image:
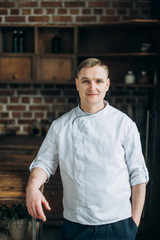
(91, 62)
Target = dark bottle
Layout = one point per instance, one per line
(21, 42)
(56, 44)
(15, 42)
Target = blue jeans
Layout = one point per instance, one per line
(122, 230)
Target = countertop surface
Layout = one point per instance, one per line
(20, 141)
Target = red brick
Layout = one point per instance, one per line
(86, 19)
(107, 19)
(50, 93)
(16, 114)
(18, 19)
(62, 11)
(142, 5)
(14, 99)
(26, 11)
(74, 11)
(4, 121)
(51, 4)
(39, 114)
(110, 11)
(61, 19)
(98, 11)
(122, 4)
(7, 4)
(6, 92)
(39, 107)
(28, 4)
(37, 100)
(3, 100)
(4, 115)
(98, 4)
(48, 100)
(38, 11)
(50, 11)
(3, 12)
(86, 11)
(25, 100)
(60, 100)
(27, 92)
(70, 92)
(75, 4)
(16, 107)
(24, 121)
(38, 19)
(61, 108)
(14, 11)
(27, 114)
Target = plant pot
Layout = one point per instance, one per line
(18, 229)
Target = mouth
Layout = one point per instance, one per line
(91, 94)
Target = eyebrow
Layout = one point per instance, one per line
(86, 78)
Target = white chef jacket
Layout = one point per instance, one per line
(100, 158)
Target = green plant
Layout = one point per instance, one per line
(13, 213)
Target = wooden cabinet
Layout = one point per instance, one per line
(14, 68)
(54, 69)
(35, 59)
(122, 46)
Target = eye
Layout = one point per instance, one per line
(85, 81)
(99, 81)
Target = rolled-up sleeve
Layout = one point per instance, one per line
(47, 157)
(138, 172)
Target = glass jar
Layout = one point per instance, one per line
(130, 78)
(144, 77)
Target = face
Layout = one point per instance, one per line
(92, 84)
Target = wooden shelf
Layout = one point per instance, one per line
(117, 44)
(123, 54)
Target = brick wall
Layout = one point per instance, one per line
(77, 12)
(22, 104)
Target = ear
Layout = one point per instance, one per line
(108, 83)
(76, 81)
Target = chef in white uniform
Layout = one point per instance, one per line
(98, 150)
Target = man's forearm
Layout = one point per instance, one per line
(37, 178)
(138, 199)
(34, 197)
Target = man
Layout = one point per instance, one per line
(102, 167)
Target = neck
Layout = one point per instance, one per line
(92, 108)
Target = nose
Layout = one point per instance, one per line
(92, 86)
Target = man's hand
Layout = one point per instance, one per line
(35, 201)
(138, 198)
